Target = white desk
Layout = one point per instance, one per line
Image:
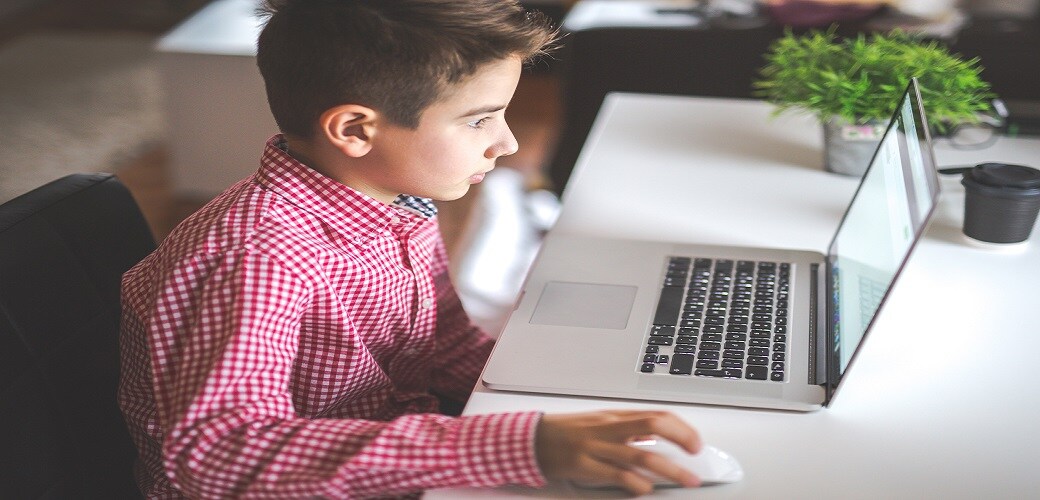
(942, 402)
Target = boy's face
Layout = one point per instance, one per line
(456, 143)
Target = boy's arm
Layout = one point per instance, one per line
(462, 347)
(225, 336)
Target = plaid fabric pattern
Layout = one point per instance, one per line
(286, 341)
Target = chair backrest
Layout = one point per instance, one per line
(63, 249)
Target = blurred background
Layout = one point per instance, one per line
(165, 94)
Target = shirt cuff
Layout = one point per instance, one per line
(498, 449)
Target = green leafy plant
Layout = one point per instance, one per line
(860, 79)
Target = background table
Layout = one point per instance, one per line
(942, 401)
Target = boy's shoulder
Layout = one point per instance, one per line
(248, 218)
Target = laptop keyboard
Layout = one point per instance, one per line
(720, 318)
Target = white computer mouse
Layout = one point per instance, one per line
(712, 465)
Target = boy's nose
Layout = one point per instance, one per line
(505, 147)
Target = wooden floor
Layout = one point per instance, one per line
(533, 114)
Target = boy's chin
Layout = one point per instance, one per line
(451, 196)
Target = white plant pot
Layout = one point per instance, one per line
(849, 147)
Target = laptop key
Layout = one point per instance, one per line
(708, 364)
(660, 341)
(669, 305)
(757, 372)
(723, 373)
(682, 364)
(647, 368)
(776, 376)
(675, 280)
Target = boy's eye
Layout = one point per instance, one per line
(479, 123)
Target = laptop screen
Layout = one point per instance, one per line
(885, 218)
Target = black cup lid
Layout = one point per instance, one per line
(1005, 175)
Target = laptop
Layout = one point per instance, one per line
(746, 327)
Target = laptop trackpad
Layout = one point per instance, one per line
(587, 305)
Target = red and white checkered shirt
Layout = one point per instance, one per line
(287, 340)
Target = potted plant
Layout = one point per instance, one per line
(853, 85)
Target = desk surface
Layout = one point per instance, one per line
(940, 404)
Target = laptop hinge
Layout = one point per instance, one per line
(818, 343)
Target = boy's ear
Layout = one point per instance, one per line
(350, 128)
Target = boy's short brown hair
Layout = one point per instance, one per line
(395, 56)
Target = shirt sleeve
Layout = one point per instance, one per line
(224, 337)
(463, 347)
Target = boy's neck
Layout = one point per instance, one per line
(327, 161)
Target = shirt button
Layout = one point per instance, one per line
(426, 303)
(395, 220)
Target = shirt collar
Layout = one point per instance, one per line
(358, 215)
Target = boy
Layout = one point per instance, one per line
(292, 338)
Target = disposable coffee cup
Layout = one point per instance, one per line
(1001, 202)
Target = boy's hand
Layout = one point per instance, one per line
(592, 447)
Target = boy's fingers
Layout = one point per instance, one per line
(598, 471)
(634, 483)
(629, 457)
(660, 424)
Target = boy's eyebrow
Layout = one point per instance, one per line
(484, 109)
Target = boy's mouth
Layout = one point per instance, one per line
(476, 178)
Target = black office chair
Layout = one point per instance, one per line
(63, 249)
